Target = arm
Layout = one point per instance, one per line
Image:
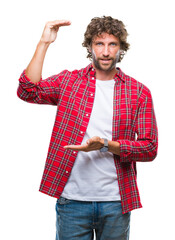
(31, 87)
(144, 148)
(34, 69)
(96, 143)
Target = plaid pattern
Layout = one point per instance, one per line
(134, 126)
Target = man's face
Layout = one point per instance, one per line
(105, 51)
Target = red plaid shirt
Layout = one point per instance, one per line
(134, 126)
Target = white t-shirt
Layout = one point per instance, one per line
(93, 176)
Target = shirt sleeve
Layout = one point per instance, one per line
(144, 149)
(44, 92)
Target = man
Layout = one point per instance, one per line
(105, 123)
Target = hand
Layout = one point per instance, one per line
(92, 144)
(51, 28)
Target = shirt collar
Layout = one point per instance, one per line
(120, 75)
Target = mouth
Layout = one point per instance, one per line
(106, 60)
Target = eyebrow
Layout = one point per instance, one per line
(100, 41)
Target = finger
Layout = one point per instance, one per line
(59, 23)
(75, 147)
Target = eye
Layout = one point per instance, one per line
(99, 43)
(114, 44)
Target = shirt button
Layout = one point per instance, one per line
(93, 78)
(91, 94)
(74, 152)
(87, 114)
(67, 172)
(81, 132)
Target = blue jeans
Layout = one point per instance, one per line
(78, 220)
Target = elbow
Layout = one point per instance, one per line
(153, 151)
(148, 153)
(153, 155)
(27, 95)
(19, 93)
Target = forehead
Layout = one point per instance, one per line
(105, 37)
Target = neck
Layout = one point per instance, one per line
(105, 75)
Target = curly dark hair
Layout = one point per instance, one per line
(109, 25)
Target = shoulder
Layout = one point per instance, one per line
(76, 72)
(135, 86)
(67, 75)
(69, 78)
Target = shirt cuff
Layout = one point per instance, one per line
(125, 150)
(26, 82)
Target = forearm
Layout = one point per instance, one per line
(31, 89)
(114, 147)
(34, 69)
(143, 151)
(128, 151)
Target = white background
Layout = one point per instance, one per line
(25, 129)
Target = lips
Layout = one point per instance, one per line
(105, 60)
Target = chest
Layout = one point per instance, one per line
(79, 99)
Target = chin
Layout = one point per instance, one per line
(106, 68)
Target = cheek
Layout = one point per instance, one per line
(93, 53)
(118, 53)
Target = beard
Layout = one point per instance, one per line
(97, 64)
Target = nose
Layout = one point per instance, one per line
(106, 51)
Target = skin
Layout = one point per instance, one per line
(104, 50)
(105, 54)
(95, 143)
(49, 35)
